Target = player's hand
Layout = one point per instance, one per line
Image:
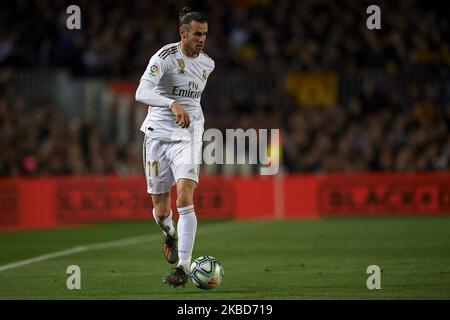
(181, 116)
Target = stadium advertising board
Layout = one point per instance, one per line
(54, 202)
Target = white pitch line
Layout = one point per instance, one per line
(107, 245)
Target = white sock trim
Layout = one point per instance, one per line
(186, 209)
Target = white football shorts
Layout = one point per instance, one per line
(167, 161)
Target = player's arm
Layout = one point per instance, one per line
(149, 80)
(145, 92)
(147, 95)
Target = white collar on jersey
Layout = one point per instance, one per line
(181, 52)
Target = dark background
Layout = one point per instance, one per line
(391, 110)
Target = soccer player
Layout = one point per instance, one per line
(172, 86)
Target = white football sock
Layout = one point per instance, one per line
(187, 227)
(165, 224)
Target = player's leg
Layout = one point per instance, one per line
(186, 173)
(186, 227)
(185, 168)
(162, 213)
(160, 179)
(163, 218)
(187, 222)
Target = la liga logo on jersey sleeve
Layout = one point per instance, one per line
(154, 70)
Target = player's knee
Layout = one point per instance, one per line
(184, 200)
(185, 193)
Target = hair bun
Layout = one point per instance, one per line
(187, 15)
(186, 10)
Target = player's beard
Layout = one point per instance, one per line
(197, 48)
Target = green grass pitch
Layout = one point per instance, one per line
(296, 259)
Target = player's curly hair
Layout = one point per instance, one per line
(187, 15)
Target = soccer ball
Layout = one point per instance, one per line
(206, 272)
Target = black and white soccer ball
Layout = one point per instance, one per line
(206, 272)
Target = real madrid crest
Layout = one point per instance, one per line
(181, 65)
(205, 75)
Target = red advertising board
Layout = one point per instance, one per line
(51, 202)
(398, 194)
(9, 211)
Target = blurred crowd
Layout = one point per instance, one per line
(117, 38)
(414, 138)
(37, 139)
(405, 135)
(389, 128)
(383, 129)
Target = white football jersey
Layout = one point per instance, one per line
(176, 76)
